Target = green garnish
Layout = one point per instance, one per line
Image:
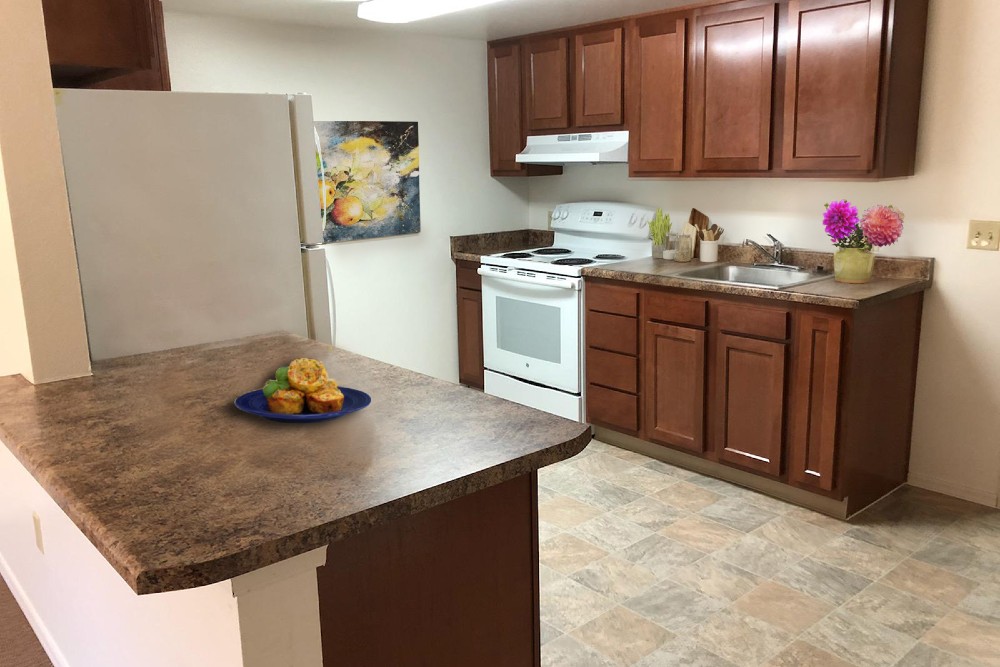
(270, 387)
(280, 381)
(281, 375)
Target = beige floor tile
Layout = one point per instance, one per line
(642, 480)
(548, 633)
(740, 638)
(682, 652)
(858, 640)
(801, 654)
(567, 553)
(783, 607)
(568, 652)
(546, 531)
(795, 535)
(716, 578)
(672, 470)
(894, 535)
(974, 532)
(929, 582)
(761, 500)
(600, 493)
(661, 555)
(757, 555)
(968, 561)
(895, 609)
(602, 465)
(566, 605)
(737, 514)
(628, 455)
(622, 635)
(923, 655)
(674, 607)
(545, 494)
(817, 519)
(687, 496)
(564, 512)
(547, 575)
(966, 637)
(858, 557)
(650, 513)
(611, 532)
(615, 578)
(701, 533)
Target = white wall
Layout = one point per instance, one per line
(395, 298)
(13, 331)
(956, 440)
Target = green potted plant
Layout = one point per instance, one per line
(659, 232)
(855, 237)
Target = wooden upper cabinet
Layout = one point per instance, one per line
(733, 82)
(748, 407)
(655, 92)
(88, 36)
(815, 387)
(598, 73)
(832, 84)
(547, 83)
(506, 130)
(675, 386)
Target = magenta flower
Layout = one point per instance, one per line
(882, 225)
(840, 220)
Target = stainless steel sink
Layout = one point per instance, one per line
(764, 277)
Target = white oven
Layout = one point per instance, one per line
(532, 338)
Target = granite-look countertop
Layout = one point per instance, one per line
(178, 489)
(471, 247)
(892, 277)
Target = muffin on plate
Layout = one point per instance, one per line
(328, 399)
(286, 401)
(307, 375)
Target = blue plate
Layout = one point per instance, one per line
(254, 403)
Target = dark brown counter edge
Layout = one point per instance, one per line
(259, 556)
(202, 573)
(471, 247)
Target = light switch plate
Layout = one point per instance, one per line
(984, 235)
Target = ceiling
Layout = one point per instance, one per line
(502, 19)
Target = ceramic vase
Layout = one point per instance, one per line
(853, 265)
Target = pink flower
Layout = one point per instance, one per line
(882, 225)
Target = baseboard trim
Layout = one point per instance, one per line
(45, 638)
(963, 491)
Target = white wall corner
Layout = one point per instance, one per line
(988, 497)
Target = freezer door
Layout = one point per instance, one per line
(185, 214)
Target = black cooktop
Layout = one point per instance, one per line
(517, 255)
(573, 261)
(609, 256)
(552, 251)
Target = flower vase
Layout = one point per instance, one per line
(853, 265)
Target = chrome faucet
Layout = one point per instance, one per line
(776, 254)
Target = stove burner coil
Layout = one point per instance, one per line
(609, 256)
(552, 251)
(573, 261)
(516, 255)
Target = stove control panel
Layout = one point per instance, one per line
(603, 217)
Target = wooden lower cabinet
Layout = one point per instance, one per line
(748, 405)
(817, 398)
(470, 326)
(674, 389)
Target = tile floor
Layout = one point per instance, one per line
(646, 564)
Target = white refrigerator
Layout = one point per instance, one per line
(196, 217)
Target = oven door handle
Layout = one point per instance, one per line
(561, 282)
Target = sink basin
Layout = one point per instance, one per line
(764, 277)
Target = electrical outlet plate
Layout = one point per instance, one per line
(984, 235)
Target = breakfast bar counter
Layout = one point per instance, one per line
(177, 489)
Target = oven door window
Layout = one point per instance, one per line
(529, 329)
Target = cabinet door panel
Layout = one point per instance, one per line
(612, 332)
(613, 370)
(614, 409)
(656, 89)
(115, 34)
(548, 84)
(812, 433)
(506, 130)
(749, 402)
(470, 337)
(831, 84)
(598, 78)
(675, 386)
(734, 58)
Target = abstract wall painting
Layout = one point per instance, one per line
(369, 179)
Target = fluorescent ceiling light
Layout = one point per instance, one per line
(405, 11)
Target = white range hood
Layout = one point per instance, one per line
(558, 149)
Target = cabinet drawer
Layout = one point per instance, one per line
(609, 369)
(612, 408)
(665, 307)
(617, 300)
(613, 332)
(751, 320)
(466, 277)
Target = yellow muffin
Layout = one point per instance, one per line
(307, 375)
(325, 400)
(330, 384)
(286, 401)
